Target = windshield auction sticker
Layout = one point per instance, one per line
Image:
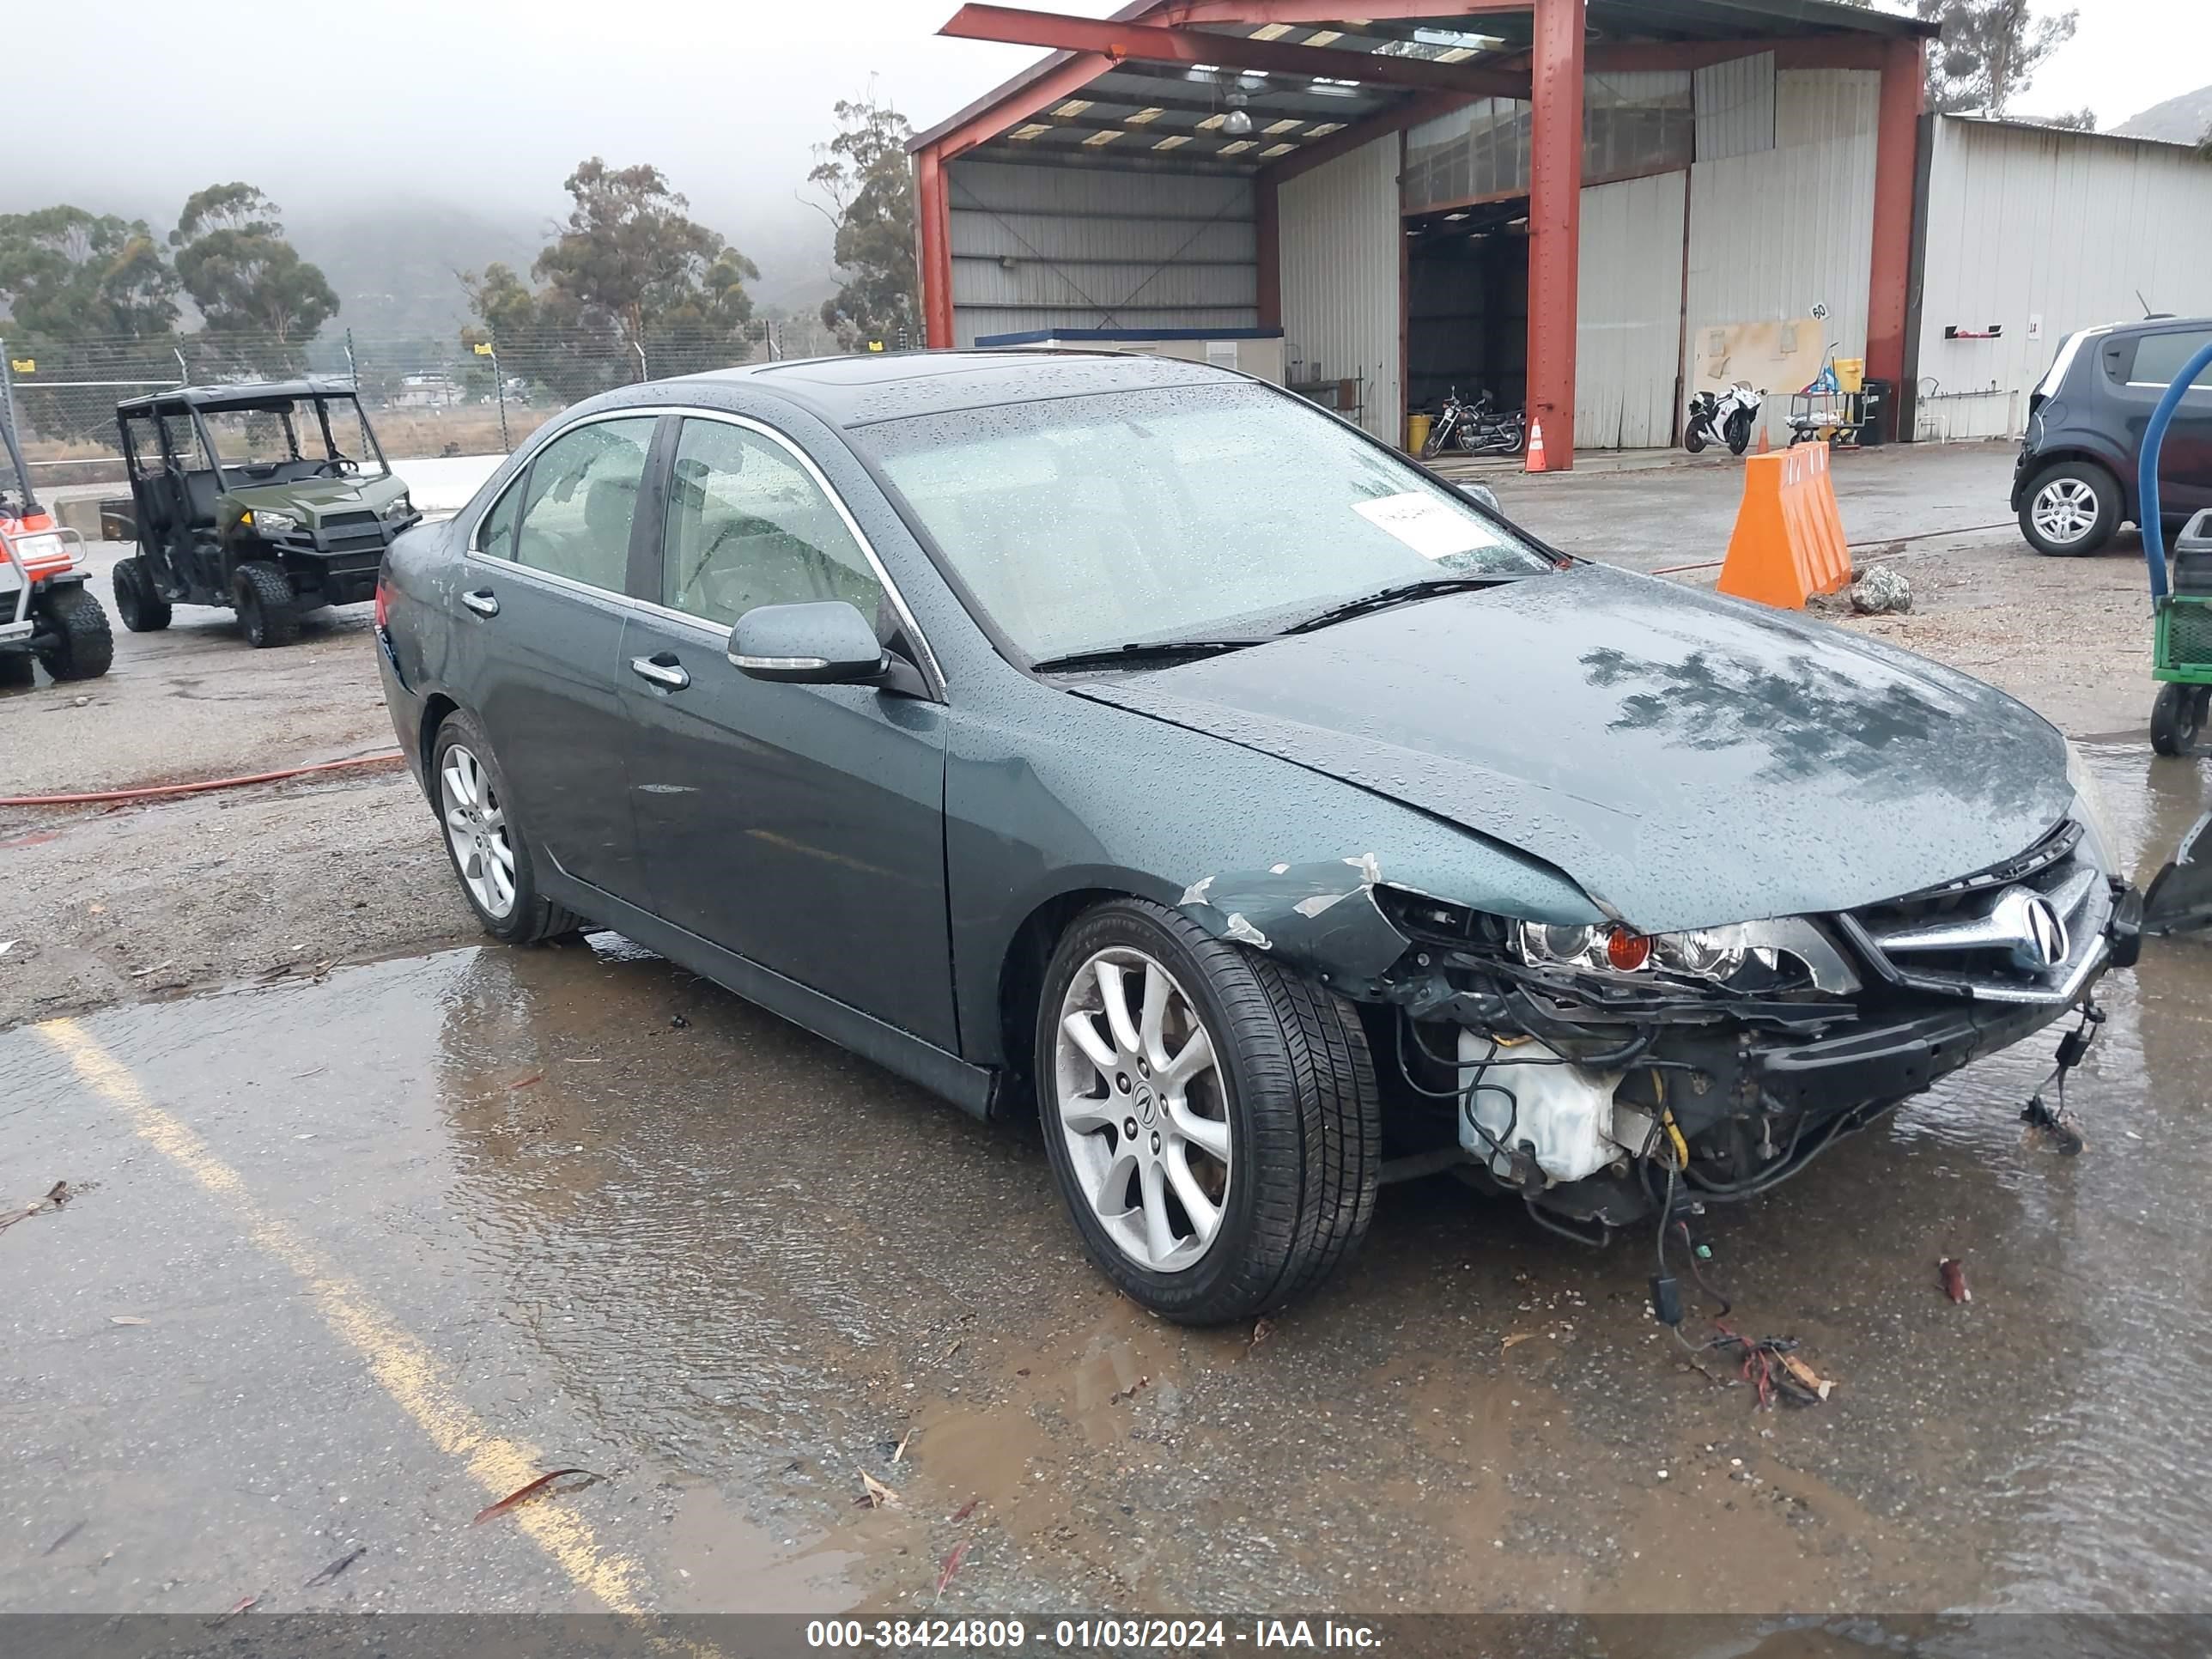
(1425, 524)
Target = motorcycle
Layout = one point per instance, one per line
(1476, 428)
(1724, 418)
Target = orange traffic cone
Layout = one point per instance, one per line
(1535, 461)
(1765, 443)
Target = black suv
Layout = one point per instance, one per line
(2075, 483)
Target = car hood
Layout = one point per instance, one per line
(313, 500)
(1689, 760)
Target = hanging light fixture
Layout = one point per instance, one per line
(1237, 122)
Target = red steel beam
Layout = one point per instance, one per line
(1062, 82)
(1317, 12)
(1555, 174)
(933, 227)
(1896, 166)
(1148, 43)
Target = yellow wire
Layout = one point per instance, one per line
(1666, 1120)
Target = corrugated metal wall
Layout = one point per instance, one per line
(2064, 227)
(1735, 107)
(1339, 236)
(1045, 247)
(1773, 233)
(1628, 334)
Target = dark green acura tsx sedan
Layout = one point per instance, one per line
(1130, 742)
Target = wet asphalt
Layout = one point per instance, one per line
(349, 1258)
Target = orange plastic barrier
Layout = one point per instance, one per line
(1788, 542)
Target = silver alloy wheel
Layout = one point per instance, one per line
(1143, 1110)
(476, 825)
(2065, 510)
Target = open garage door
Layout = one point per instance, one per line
(1628, 342)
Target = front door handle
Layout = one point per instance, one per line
(662, 669)
(483, 602)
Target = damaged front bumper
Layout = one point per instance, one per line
(1587, 1095)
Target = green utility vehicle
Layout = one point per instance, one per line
(272, 498)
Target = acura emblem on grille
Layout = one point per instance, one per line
(2037, 935)
(2028, 926)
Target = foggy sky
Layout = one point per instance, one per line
(488, 103)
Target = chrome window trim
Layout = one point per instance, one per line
(931, 669)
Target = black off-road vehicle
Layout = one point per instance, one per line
(273, 499)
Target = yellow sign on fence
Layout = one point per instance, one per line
(24, 365)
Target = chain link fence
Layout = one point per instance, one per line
(475, 394)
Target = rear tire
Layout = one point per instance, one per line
(1293, 1104)
(142, 610)
(84, 645)
(2176, 718)
(489, 853)
(2071, 509)
(268, 614)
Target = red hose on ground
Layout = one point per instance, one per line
(156, 790)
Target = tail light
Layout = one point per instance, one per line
(383, 601)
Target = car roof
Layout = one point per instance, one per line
(858, 391)
(2151, 326)
(249, 395)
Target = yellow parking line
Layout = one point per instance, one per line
(407, 1370)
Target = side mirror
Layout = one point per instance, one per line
(1483, 497)
(829, 643)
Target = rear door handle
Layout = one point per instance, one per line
(662, 669)
(483, 602)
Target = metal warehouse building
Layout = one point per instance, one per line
(1590, 207)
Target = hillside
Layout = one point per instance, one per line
(393, 266)
(2182, 120)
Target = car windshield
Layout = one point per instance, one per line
(297, 438)
(1084, 523)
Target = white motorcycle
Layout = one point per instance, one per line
(1724, 418)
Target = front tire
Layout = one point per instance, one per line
(491, 856)
(268, 614)
(2071, 509)
(2176, 718)
(142, 610)
(1212, 1121)
(1739, 434)
(84, 645)
(1693, 440)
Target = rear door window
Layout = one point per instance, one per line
(495, 530)
(2160, 357)
(579, 501)
(748, 525)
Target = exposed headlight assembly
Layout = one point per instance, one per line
(269, 521)
(402, 508)
(1792, 947)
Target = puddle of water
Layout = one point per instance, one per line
(661, 1231)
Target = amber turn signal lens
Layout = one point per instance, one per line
(1626, 951)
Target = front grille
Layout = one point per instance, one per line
(346, 521)
(2028, 930)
